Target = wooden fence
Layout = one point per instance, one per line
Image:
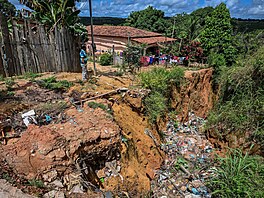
(29, 48)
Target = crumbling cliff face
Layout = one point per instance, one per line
(195, 95)
(141, 155)
(70, 152)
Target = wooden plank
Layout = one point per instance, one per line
(7, 46)
(18, 47)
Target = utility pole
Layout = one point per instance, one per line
(93, 46)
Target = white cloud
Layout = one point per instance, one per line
(122, 8)
(258, 10)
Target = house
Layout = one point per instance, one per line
(118, 37)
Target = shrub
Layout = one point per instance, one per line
(238, 175)
(241, 99)
(53, 84)
(95, 105)
(156, 106)
(160, 79)
(160, 82)
(106, 59)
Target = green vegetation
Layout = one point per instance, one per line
(53, 84)
(106, 59)
(132, 56)
(9, 82)
(7, 8)
(96, 105)
(160, 81)
(216, 36)
(238, 175)
(31, 76)
(148, 19)
(36, 183)
(241, 102)
(156, 106)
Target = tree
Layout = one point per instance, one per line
(7, 8)
(149, 19)
(61, 12)
(217, 34)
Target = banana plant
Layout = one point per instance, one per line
(53, 13)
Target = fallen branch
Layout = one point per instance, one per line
(101, 95)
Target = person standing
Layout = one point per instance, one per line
(83, 62)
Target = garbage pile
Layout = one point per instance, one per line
(188, 162)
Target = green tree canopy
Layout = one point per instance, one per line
(7, 8)
(217, 35)
(149, 19)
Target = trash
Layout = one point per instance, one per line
(29, 118)
(48, 118)
(195, 191)
(188, 160)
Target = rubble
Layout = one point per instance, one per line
(188, 160)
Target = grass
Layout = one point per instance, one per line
(238, 175)
(241, 100)
(9, 82)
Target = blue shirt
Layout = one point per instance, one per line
(83, 55)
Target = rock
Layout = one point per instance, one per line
(77, 189)
(50, 194)
(57, 183)
(50, 176)
(108, 194)
(54, 194)
(8, 191)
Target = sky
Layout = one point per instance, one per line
(121, 8)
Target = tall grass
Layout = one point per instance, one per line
(241, 100)
(238, 175)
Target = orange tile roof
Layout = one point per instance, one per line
(120, 31)
(152, 40)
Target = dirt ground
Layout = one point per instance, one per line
(111, 148)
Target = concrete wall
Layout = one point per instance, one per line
(106, 43)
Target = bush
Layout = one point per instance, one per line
(160, 82)
(241, 99)
(106, 59)
(53, 84)
(238, 176)
(160, 79)
(156, 106)
(96, 105)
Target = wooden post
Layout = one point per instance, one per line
(93, 46)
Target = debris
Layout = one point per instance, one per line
(101, 95)
(188, 152)
(77, 189)
(29, 117)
